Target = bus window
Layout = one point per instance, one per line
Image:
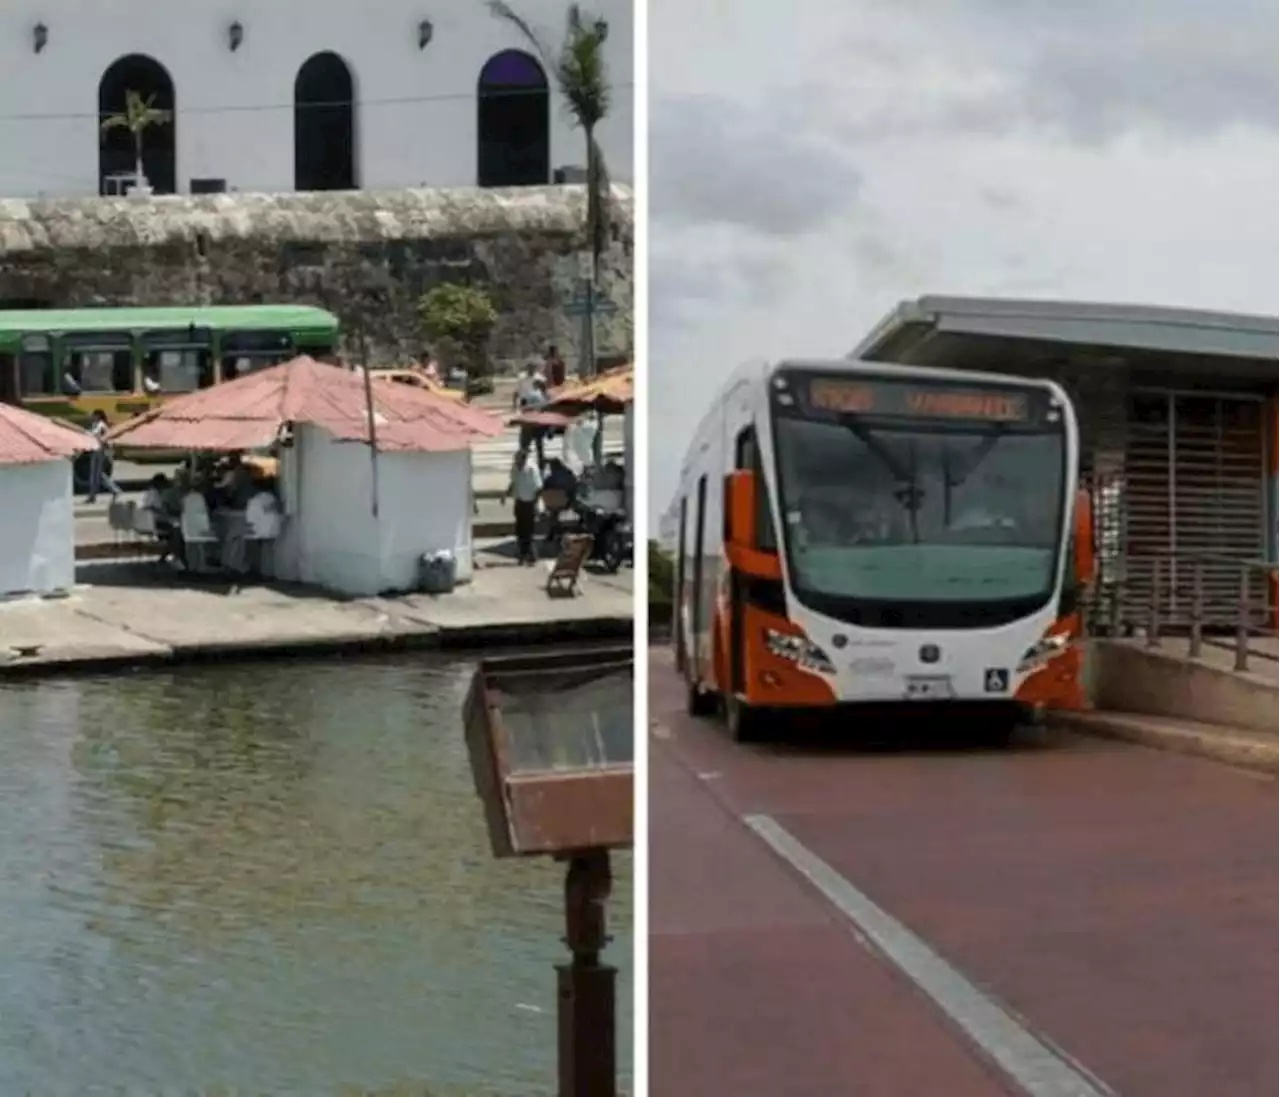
(97, 362)
(747, 456)
(245, 352)
(177, 361)
(35, 367)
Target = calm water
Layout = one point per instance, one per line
(268, 879)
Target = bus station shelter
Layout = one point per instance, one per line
(1177, 412)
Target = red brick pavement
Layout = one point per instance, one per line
(1120, 900)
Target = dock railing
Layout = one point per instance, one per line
(1207, 599)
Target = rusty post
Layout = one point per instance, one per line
(1242, 621)
(586, 1008)
(1153, 621)
(1197, 607)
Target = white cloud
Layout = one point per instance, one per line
(813, 166)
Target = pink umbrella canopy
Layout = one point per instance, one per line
(27, 438)
(248, 413)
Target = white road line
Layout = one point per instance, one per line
(1031, 1061)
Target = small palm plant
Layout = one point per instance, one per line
(579, 70)
(138, 116)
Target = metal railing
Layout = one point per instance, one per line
(1208, 600)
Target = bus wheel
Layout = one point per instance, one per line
(745, 722)
(698, 703)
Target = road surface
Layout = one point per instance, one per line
(1066, 916)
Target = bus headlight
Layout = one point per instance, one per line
(798, 650)
(1039, 653)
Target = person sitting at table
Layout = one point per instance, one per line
(263, 522)
(155, 514)
(197, 530)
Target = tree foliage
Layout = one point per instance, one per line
(662, 582)
(138, 116)
(578, 67)
(459, 318)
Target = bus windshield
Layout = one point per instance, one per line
(945, 519)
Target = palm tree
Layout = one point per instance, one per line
(138, 116)
(579, 70)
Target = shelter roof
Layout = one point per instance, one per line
(249, 412)
(27, 438)
(1007, 334)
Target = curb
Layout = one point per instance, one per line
(427, 638)
(129, 550)
(1234, 748)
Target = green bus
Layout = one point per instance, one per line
(69, 363)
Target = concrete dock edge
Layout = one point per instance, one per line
(427, 638)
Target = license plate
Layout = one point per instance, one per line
(929, 687)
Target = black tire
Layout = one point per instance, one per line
(698, 703)
(746, 723)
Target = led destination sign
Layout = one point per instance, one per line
(874, 397)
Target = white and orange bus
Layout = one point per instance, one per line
(854, 532)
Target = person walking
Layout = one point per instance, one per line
(525, 486)
(554, 368)
(98, 478)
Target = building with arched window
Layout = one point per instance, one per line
(294, 96)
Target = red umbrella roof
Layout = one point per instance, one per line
(247, 413)
(27, 438)
(611, 392)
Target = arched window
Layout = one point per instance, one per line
(324, 126)
(514, 122)
(118, 148)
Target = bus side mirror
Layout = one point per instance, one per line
(740, 509)
(1083, 538)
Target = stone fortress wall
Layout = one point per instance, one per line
(367, 256)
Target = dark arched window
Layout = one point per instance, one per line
(118, 148)
(324, 126)
(514, 122)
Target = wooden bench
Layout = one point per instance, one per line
(562, 578)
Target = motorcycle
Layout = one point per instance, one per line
(613, 542)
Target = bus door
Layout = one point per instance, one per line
(698, 553)
(36, 376)
(9, 390)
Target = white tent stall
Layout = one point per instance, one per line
(333, 538)
(356, 518)
(37, 508)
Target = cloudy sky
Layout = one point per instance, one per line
(814, 162)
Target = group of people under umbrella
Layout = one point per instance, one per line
(580, 482)
(223, 509)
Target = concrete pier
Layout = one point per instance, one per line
(125, 614)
